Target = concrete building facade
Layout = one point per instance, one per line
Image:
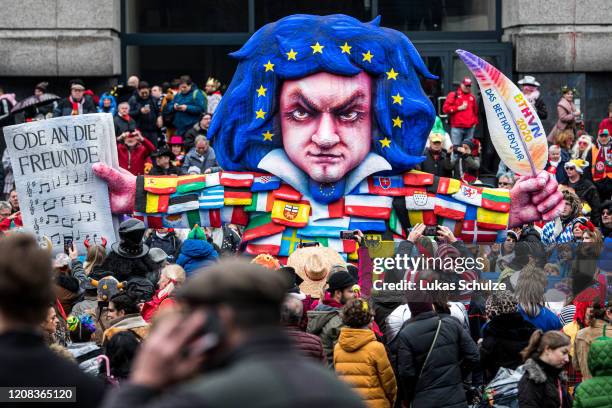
(559, 41)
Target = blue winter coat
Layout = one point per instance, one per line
(196, 102)
(196, 254)
(546, 320)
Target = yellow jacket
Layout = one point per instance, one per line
(571, 330)
(362, 362)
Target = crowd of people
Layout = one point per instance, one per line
(179, 318)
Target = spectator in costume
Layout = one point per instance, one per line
(213, 94)
(77, 103)
(561, 232)
(530, 88)
(107, 104)
(556, 164)
(163, 163)
(602, 164)
(584, 188)
(437, 161)
(583, 149)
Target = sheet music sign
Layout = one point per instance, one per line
(58, 193)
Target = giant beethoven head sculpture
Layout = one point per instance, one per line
(328, 90)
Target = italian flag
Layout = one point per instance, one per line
(266, 245)
(496, 199)
(261, 226)
(395, 225)
(261, 201)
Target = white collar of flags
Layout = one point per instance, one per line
(278, 163)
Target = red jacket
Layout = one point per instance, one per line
(5, 224)
(461, 119)
(134, 160)
(606, 124)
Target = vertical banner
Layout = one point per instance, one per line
(59, 195)
(515, 128)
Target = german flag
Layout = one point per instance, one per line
(237, 196)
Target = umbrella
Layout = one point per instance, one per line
(34, 100)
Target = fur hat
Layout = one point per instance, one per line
(500, 303)
(313, 265)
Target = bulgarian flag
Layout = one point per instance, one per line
(157, 203)
(448, 207)
(260, 226)
(368, 206)
(325, 211)
(492, 220)
(418, 178)
(426, 217)
(160, 184)
(496, 199)
(236, 179)
(290, 214)
(187, 184)
(234, 215)
(287, 193)
(266, 245)
(261, 201)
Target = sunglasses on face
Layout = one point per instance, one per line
(583, 143)
(570, 168)
(503, 183)
(606, 213)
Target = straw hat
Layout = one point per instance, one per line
(313, 264)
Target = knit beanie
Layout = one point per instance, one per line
(566, 315)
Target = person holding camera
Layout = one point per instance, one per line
(133, 149)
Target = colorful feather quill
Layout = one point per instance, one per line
(516, 131)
